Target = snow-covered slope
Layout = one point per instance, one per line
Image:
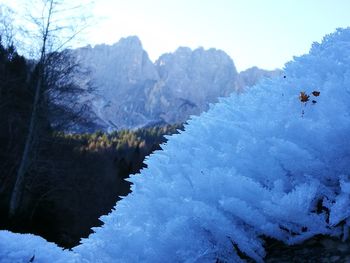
(262, 163)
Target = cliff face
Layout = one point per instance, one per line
(189, 81)
(132, 91)
(122, 75)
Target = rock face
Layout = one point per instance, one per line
(189, 81)
(123, 76)
(132, 91)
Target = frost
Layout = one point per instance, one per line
(256, 164)
(262, 163)
(24, 248)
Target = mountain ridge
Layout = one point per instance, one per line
(133, 92)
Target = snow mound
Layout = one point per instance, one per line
(258, 164)
(24, 248)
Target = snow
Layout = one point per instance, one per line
(21, 248)
(256, 164)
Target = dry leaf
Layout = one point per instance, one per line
(316, 93)
(304, 97)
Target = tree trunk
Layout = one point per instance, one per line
(25, 160)
(28, 147)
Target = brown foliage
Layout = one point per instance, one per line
(304, 97)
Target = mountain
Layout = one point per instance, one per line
(132, 91)
(189, 81)
(123, 74)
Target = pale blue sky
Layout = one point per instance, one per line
(265, 33)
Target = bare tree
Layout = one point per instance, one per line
(66, 83)
(52, 77)
(6, 25)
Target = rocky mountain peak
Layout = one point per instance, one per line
(130, 43)
(132, 92)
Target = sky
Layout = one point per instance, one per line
(263, 33)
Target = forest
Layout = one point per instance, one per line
(73, 178)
